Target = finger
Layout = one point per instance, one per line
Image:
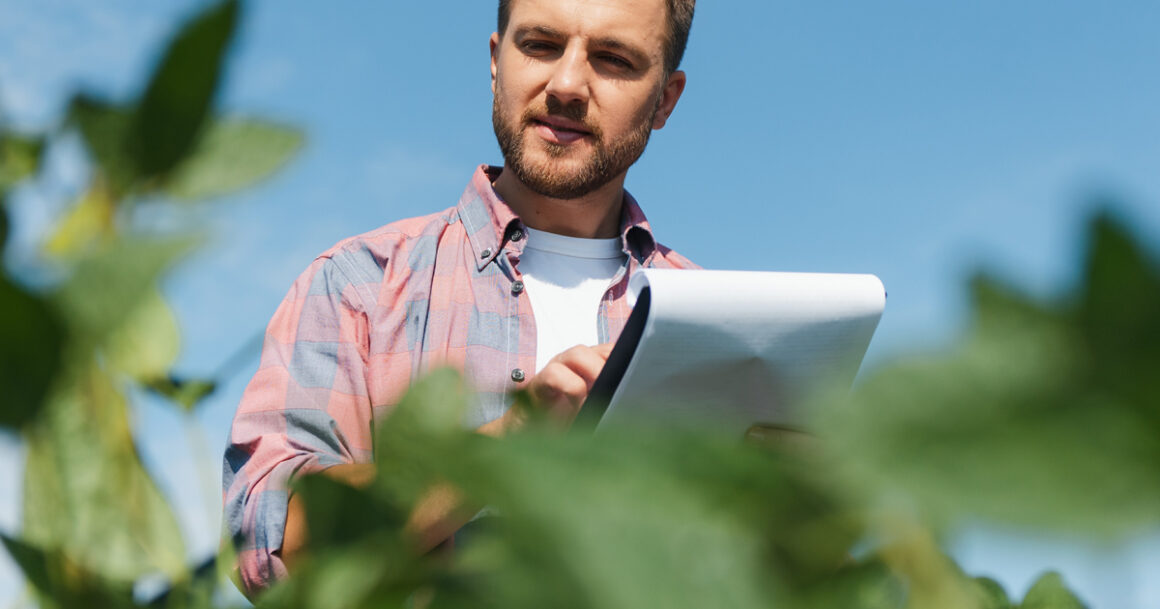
(558, 384)
(604, 350)
(585, 362)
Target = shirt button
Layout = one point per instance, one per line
(518, 375)
(517, 286)
(485, 254)
(517, 234)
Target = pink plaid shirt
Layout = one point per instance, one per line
(369, 316)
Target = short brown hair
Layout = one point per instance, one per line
(680, 20)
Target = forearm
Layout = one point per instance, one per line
(436, 517)
(295, 536)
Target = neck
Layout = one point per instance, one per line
(595, 215)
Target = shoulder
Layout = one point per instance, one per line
(372, 251)
(368, 260)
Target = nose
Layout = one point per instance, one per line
(569, 79)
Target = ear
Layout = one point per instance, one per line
(671, 92)
(494, 44)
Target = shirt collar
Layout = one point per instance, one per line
(636, 236)
(488, 221)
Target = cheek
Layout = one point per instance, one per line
(632, 108)
(643, 115)
(516, 78)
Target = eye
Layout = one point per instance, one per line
(537, 47)
(616, 61)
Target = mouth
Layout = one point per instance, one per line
(559, 130)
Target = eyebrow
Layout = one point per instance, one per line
(542, 30)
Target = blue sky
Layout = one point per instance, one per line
(914, 140)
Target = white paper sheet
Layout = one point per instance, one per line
(730, 349)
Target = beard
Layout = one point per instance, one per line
(554, 177)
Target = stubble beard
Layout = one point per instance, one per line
(551, 178)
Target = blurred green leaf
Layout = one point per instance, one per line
(87, 223)
(1026, 423)
(1049, 592)
(625, 519)
(146, 344)
(31, 342)
(178, 99)
(358, 555)
(187, 393)
(361, 576)
(859, 585)
(432, 407)
(94, 521)
(429, 413)
(199, 591)
(994, 596)
(621, 520)
(1119, 316)
(233, 154)
(85, 489)
(19, 158)
(107, 287)
(4, 222)
(105, 129)
(59, 583)
(340, 515)
(32, 562)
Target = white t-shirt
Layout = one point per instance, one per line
(565, 278)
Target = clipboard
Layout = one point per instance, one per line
(727, 350)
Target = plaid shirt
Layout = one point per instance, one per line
(369, 316)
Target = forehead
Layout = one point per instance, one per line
(641, 22)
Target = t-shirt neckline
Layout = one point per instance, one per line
(576, 247)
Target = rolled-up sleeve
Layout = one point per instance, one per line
(306, 409)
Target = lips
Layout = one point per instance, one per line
(559, 130)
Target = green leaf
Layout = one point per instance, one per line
(86, 224)
(200, 590)
(105, 129)
(234, 154)
(1119, 314)
(178, 99)
(1031, 421)
(19, 158)
(1049, 592)
(359, 577)
(31, 343)
(146, 344)
(340, 515)
(4, 222)
(859, 585)
(622, 520)
(431, 410)
(107, 288)
(85, 489)
(187, 393)
(994, 596)
(61, 583)
(32, 562)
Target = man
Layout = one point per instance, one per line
(535, 257)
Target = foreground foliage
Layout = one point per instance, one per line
(1046, 416)
(96, 325)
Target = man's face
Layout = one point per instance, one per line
(579, 85)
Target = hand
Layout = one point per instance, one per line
(560, 388)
